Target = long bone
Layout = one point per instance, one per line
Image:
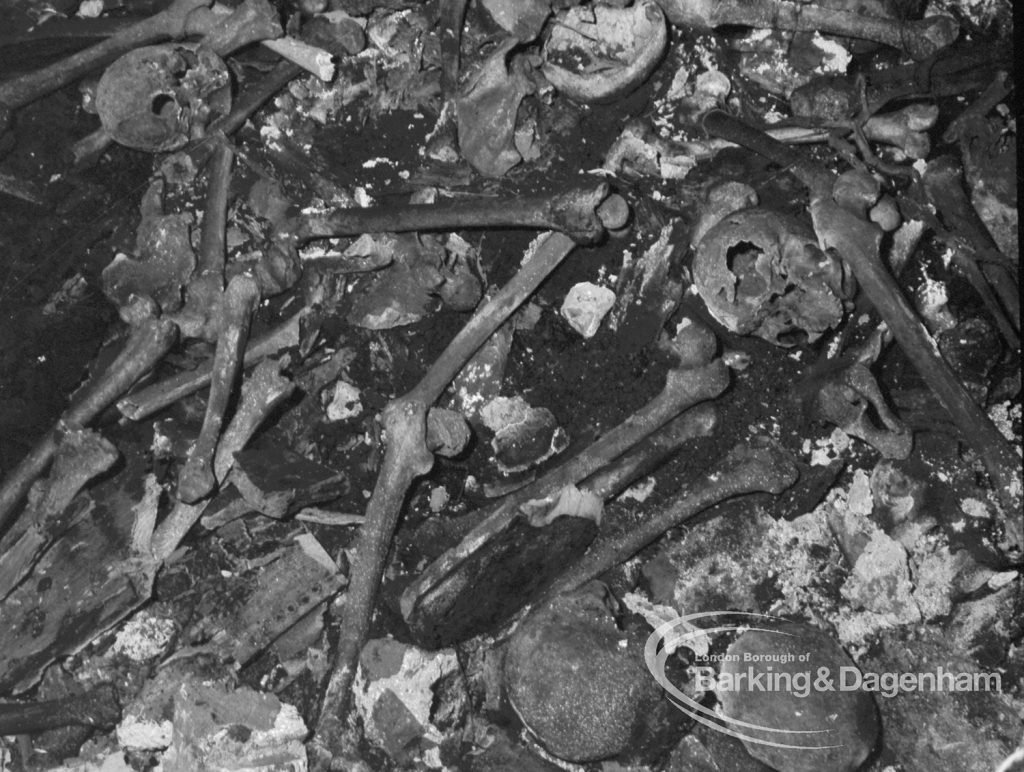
(406, 457)
(236, 310)
(920, 39)
(990, 272)
(260, 395)
(155, 397)
(580, 213)
(696, 378)
(146, 345)
(858, 242)
(744, 469)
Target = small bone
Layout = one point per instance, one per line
(844, 401)
(920, 39)
(236, 310)
(148, 342)
(745, 469)
(582, 213)
(172, 23)
(406, 457)
(858, 242)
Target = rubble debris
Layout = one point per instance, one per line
(524, 436)
(370, 171)
(217, 728)
(586, 306)
(413, 703)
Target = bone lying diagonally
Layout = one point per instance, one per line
(693, 382)
(920, 39)
(745, 469)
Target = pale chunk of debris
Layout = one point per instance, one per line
(585, 307)
(344, 402)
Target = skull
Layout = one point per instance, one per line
(157, 98)
(761, 272)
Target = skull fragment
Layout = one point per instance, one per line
(761, 273)
(157, 98)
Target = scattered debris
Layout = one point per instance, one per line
(568, 332)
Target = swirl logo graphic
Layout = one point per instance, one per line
(683, 632)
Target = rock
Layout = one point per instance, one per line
(928, 730)
(411, 701)
(524, 436)
(586, 306)
(578, 684)
(343, 402)
(218, 728)
(847, 720)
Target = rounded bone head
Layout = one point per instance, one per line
(157, 98)
(761, 273)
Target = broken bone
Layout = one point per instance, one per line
(406, 457)
(844, 400)
(236, 309)
(146, 345)
(754, 468)
(920, 38)
(582, 213)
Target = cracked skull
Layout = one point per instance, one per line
(761, 273)
(157, 98)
